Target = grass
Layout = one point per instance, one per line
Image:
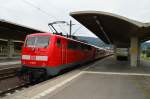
(144, 57)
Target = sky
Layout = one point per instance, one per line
(38, 13)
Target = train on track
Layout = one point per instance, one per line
(46, 54)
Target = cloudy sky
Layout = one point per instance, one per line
(38, 13)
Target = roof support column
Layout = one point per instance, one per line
(10, 47)
(115, 52)
(134, 52)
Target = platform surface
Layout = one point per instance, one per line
(103, 79)
(107, 79)
(98, 86)
(9, 63)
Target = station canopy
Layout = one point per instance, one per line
(112, 28)
(10, 30)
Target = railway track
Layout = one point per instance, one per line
(8, 72)
(13, 89)
(8, 81)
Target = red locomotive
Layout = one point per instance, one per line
(46, 54)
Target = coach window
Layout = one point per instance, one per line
(72, 45)
(82, 47)
(79, 47)
(58, 42)
(86, 49)
(89, 48)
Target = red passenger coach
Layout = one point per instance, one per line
(46, 54)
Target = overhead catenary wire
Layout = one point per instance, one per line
(38, 8)
(76, 30)
(44, 12)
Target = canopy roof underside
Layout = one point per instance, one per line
(112, 28)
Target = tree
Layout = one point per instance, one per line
(148, 52)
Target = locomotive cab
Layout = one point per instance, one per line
(35, 53)
(35, 50)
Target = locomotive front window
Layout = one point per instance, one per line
(42, 41)
(38, 41)
(30, 41)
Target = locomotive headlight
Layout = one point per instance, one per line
(26, 57)
(42, 58)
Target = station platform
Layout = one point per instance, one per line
(103, 79)
(6, 59)
(9, 62)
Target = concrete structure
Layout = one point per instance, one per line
(10, 31)
(10, 48)
(115, 29)
(135, 51)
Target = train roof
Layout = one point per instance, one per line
(50, 34)
(36, 34)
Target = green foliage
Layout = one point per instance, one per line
(143, 51)
(148, 52)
